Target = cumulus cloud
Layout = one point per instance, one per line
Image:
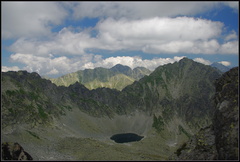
(225, 63)
(179, 28)
(203, 61)
(29, 19)
(13, 68)
(155, 35)
(50, 65)
(231, 36)
(65, 42)
(231, 47)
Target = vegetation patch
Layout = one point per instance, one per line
(167, 112)
(11, 93)
(21, 91)
(41, 112)
(158, 123)
(33, 95)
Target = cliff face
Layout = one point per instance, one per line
(219, 141)
(226, 118)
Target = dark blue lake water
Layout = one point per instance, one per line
(126, 137)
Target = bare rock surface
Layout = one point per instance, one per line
(14, 151)
(219, 141)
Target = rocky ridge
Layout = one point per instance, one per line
(218, 141)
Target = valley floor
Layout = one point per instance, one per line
(46, 147)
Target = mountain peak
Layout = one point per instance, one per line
(121, 68)
(220, 67)
(185, 60)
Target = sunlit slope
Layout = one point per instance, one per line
(118, 81)
(117, 77)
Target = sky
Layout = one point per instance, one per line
(55, 38)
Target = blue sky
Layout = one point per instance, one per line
(56, 38)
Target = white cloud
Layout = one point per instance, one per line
(206, 47)
(13, 68)
(29, 19)
(225, 63)
(231, 47)
(64, 43)
(161, 29)
(203, 61)
(49, 65)
(231, 36)
(155, 35)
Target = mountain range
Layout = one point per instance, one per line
(167, 107)
(116, 77)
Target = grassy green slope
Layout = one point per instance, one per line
(117, 77)
(118, 82)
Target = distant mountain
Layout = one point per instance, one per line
(220, 67)
(121, 69)
(167, 108)
(116, 77)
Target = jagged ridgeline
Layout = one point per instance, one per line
(175, 101)
(117, 77)
(180, 89)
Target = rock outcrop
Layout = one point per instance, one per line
(219, 141)
(226, 119)
(14, 151)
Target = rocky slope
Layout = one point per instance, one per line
(176, 90)
(219, 141)
(117, 77)
(167, 108)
